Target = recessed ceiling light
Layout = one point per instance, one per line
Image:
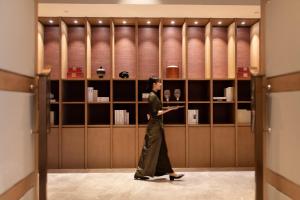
(195, 22)
(124, 22)
(172, 22)
(75, 21)
(100, 22)
(148, 22)
(51, 21)
(219, 22)
(243, 22)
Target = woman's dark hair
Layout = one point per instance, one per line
(152, 79)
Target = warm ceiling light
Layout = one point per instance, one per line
(75, 21)
(195, 22)
(148, 22)
(124, 22)
(243, 22)
(100, 22)
(172, 22)
(219, 22)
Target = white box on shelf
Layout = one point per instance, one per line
(229, 93)
(90, 94)
(193, 116)
(243, 116)
(95, 95)
(102, 99)
(145, 96)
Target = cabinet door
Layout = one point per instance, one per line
(199, 147)
(223, 146)
(175, 138)
(123, 147)
(52, 148)
(98, 146)
(72, 148)
(245, 147)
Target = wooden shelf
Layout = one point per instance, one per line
(245, 124)
(74, 102)
(207, 65)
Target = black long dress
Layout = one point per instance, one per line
(154, 159)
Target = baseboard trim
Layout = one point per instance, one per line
(20, 188)
(283, 184)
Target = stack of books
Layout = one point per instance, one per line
(243, 72)
(74, 72)
(121, 117)
(93, 96)
(193, 116)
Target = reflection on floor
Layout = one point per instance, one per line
(206, 185)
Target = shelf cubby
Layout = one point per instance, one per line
(142, 88)
(103, 87)
(196, 52)
(199, 90)
(55, 108)
(101, 50)
(223, 49)
(223, 113)
(244, 90)
(172, 85)
(76, 46)
(73, 114)
(172, 46)
(203, 110)
(246, 106)
(143, 109)
(243, 47)
(220, 85)
(148, 51)
(129, 108)
(52, 49)
(54, 89)
(99, 114)
(124, 90)
(175, 116)
(125, 50)
(73, 91)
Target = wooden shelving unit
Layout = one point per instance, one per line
(208, 53)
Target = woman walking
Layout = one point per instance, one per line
(154, 159)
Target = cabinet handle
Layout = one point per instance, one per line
(268, 110)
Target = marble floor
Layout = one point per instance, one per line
(201, 185)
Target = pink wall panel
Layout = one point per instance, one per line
(243, 47)
(172, 48)
(76, 47)
(220, 52)
(52, 50)
(125, 51)
(101, 50)
(196, 52)
(148, 56)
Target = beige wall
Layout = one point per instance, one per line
(122, 10)
(282, 36)
(17, 54)
(282, 56)
(17, 36)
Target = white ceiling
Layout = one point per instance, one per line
(189, 2)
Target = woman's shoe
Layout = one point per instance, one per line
(178, 176)
(139, 177)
